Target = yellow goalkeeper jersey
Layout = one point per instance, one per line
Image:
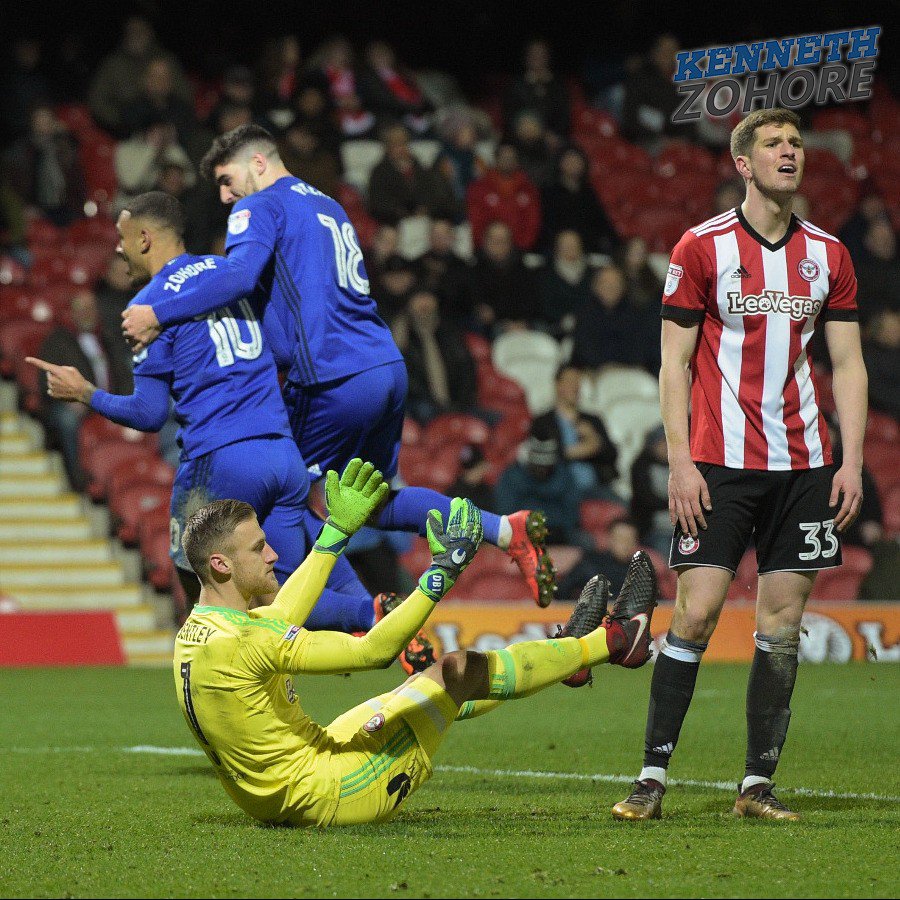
(233, 676)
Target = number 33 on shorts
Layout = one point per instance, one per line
(815, 542)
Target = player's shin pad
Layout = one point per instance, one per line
(525, 668)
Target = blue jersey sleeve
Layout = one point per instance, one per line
(256, 219)
(146, 409)
(210, 284)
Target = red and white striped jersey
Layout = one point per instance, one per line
(754, 402)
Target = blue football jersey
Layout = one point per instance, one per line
(222, 375)
(315, 281)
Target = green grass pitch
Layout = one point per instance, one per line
(82, 816)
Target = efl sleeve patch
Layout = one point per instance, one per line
(239, 222)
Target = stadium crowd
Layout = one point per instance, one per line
(515, 244)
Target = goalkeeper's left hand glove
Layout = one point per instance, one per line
(350, 501)
(451, 550)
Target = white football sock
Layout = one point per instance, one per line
(653, 772)
(504, 534)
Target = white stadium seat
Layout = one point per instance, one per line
(530, 358)
(359, 158)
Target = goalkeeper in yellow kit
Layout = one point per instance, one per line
(234, 666)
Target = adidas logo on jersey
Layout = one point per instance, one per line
(773, 302)
(665, 748)
(740, 272)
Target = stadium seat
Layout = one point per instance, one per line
(134, 502)
(157, 561)
(882, 427)
(856, 559)
(151, 469)
(836, 584)
(478, 346)
(12, 272)
(891, 511)
(509, 432)
(425, 151)
(98, 161)
(455, 429)
(25, 303)
(681, 157)
(497, 392)
(41, 232)
(77, 118)
(152, 521)
(590, 122)
(746, 580)
(100, 461)
(666, 578)
(628, 422)
(844, 119)
(530, 358)
(595, 515)
(20, 338)
(430, 468)
(359, 158)
(412, 431)
(95, 429)
(881, 460)
(96, 228)
(598, 393)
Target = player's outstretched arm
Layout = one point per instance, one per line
(146, 409)
(350, 499)
(452, 550)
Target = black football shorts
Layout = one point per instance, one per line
(785, 514)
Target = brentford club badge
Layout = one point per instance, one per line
(688, 545)
(808, 269)
(374, 724)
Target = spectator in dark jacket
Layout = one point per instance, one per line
(43, 168)
(565, 283)
(540, 91)
(505, 291)
(541, 480)
(569, 203)
(92, 353)
(583, 440)
(535, 156)
(650, 492)
(471, 482)
(612, 562)
(447, 275)
(881, 352)
(608, 329)
(643, 286)
(440, 368)
(159, 101)
(651, 98)
(400, 186)
(390, 90)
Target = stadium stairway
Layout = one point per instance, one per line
(55, 552)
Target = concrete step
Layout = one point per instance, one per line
(145, 644)
(45, 531)
(19, 485)
(71, 575)
(114, 597)
(9, 422)
(13, 465)
(65, 506)
(9, 397)
(135, 619)
(19, 441)
(55, 553)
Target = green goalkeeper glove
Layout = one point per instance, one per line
(451, 550)
(350, 501)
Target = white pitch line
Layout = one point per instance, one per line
(151, 750)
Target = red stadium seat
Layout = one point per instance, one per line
(820, 160)
(25, 303)
(77, 118)
(836, 584)
(18, 339)
(97, 154)
(97, 228)
(844, 119)
(745, 581)
(680, 157)
(134, 502)
(99, 462)
(157, 561)
(667, 578)
(881, 461)
(882, 427)
(479, 347)
(856, 559)
(597, 514)
(412, 431)
(154, 520)
(148, 470)
(590, 122)
(41, 232)
(95, 429)
(455, 429)
(891, 510)
(12, 272)
(493, 586)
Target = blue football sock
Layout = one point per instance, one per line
(408, 508)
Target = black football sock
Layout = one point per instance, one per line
(769, 690)
(671, 690)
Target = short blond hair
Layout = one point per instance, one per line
(745, 131)
(209, 530)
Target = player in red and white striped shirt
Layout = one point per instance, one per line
(743, 295)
